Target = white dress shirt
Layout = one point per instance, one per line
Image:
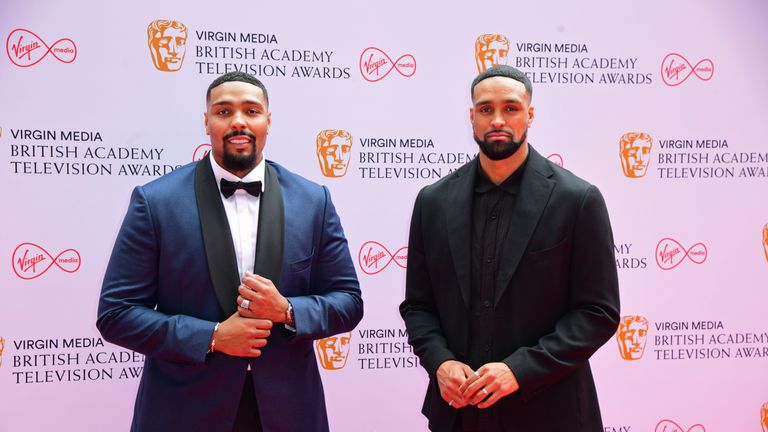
(242, 211)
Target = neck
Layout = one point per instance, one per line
(499, 170)
(239, 173)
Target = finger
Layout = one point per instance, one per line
(490, 400)
(259, 323)
(254, 352)
(247, 293)
(469, 381)
(261, 279)
(471, 390)
(480, 396)
(258, 343)
(260, 333)
(255, 279)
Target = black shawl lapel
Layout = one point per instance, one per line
(459, 219)
(222, 262)
(269, 244)
(535, 189)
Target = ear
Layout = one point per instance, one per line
(269, 121)
(530, 116)
(472, 115)
(205, 123)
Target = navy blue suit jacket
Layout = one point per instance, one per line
(172, 276)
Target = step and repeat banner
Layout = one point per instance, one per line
(659, 104)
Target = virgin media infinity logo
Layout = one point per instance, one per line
(200, 152)
(27, 49)
(30, 261)
(374, 257)
(375, 64)
(670, 426)
(556, 158)
(670, 253)
(675, 69)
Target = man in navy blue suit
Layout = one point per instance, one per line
(222, 274)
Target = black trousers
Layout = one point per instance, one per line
(247, 418)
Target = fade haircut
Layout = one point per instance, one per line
(503, 71)
(236, 76)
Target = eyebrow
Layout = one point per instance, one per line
(505, 101)
(245, 102)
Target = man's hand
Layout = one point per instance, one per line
(450, 376)
(266, 302)
(242, 337)
(494, 381)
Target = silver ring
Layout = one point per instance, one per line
(485, 391)
(245, 304)
(450, 404)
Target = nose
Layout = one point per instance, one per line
(498, 120)
(238, 121)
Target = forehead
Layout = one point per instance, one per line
(499, 88)
(237, 92)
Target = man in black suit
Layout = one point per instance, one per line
(511, 282)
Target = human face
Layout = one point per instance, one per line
(500, 116)
(633, 338)
(335, 156)
(637, 157)
(237, 120)
(170, 48)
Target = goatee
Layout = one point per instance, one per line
(499, 150)
(239, 161)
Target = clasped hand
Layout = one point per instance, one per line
(461, 386)
(246, 331)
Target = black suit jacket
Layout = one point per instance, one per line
(556, 297)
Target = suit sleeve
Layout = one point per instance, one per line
(419, 310)
(593, 306)
(337, 306)
(127, 314)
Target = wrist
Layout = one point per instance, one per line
(212, 344)
(288, 317)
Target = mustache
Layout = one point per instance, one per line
(235, 133)
(506, 132)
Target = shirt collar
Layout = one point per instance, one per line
(510, 185)
(256, 174)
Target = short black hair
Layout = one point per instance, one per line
(236, 76)
(503, 71)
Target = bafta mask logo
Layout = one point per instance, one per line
(764, 417)
(631, 336)
(635, 153)
(333, 351)
(491, 50)
(167, 43)
(334, 150)
(765, 243)
(2, 348)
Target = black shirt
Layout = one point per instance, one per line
(492, 208)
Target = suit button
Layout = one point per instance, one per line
(487, 304)
(494, 216)
(486, 348)
(489, 260)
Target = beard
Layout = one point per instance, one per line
(233, 161)
(499, 150)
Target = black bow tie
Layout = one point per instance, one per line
(228, 188)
